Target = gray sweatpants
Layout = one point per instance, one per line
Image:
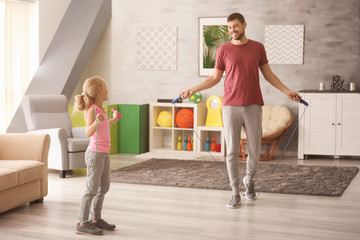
(234, 117)
(97, 185)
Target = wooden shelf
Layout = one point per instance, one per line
(165, 139)
(218, 133)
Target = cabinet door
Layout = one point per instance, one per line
(319, 132)
(348, 124)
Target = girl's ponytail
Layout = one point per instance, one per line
(88, 97)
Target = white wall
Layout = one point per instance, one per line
(50, 14)
(331, 46)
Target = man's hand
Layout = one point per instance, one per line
(187, 93)
(293, 96)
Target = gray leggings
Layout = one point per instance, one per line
(234, 117)
(93, 196)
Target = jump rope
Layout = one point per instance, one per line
(97, 112)
(179, 99)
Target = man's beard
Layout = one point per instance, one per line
(240, 36)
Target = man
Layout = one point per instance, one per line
(241, 59)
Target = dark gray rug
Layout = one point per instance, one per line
(286, 179)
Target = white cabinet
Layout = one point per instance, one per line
(163, 140)
(331, 124)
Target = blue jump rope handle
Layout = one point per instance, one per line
(177, 99)
(304, 102)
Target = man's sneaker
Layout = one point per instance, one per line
(234, 202)
(249, 189)
(104, 225)
(88, 228)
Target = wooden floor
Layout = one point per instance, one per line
(151, 212)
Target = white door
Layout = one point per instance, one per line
(348, 124)
(320, 124)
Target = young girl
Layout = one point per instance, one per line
(96, 156)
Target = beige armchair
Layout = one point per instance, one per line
(275, 120)
(23, 169)
(49, 114)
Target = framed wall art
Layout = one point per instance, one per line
(213, 32)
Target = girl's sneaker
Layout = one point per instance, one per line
(102, 224)
(88, 228)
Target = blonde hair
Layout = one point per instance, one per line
(89, 94)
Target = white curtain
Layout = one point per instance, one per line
(19, 54)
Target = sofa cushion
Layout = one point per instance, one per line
(8, 178)
(27, 170)
(78, 144)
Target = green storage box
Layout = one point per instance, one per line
(134, 128)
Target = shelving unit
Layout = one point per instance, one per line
(164, 139)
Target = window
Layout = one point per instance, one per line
(19, 53)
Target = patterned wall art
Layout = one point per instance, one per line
(156, 48)
(284, 44)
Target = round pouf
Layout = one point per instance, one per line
(196, 98)
(164, 119)
(185, 118)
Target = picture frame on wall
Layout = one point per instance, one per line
(213, 32)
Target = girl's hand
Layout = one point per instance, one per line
(100, 118)
(115, 116)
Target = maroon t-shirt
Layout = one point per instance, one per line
(241, 65)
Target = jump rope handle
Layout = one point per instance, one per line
(178, 99)
(303, 101)
(97, 111)
(118, 114)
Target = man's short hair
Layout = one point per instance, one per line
(237, 16)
